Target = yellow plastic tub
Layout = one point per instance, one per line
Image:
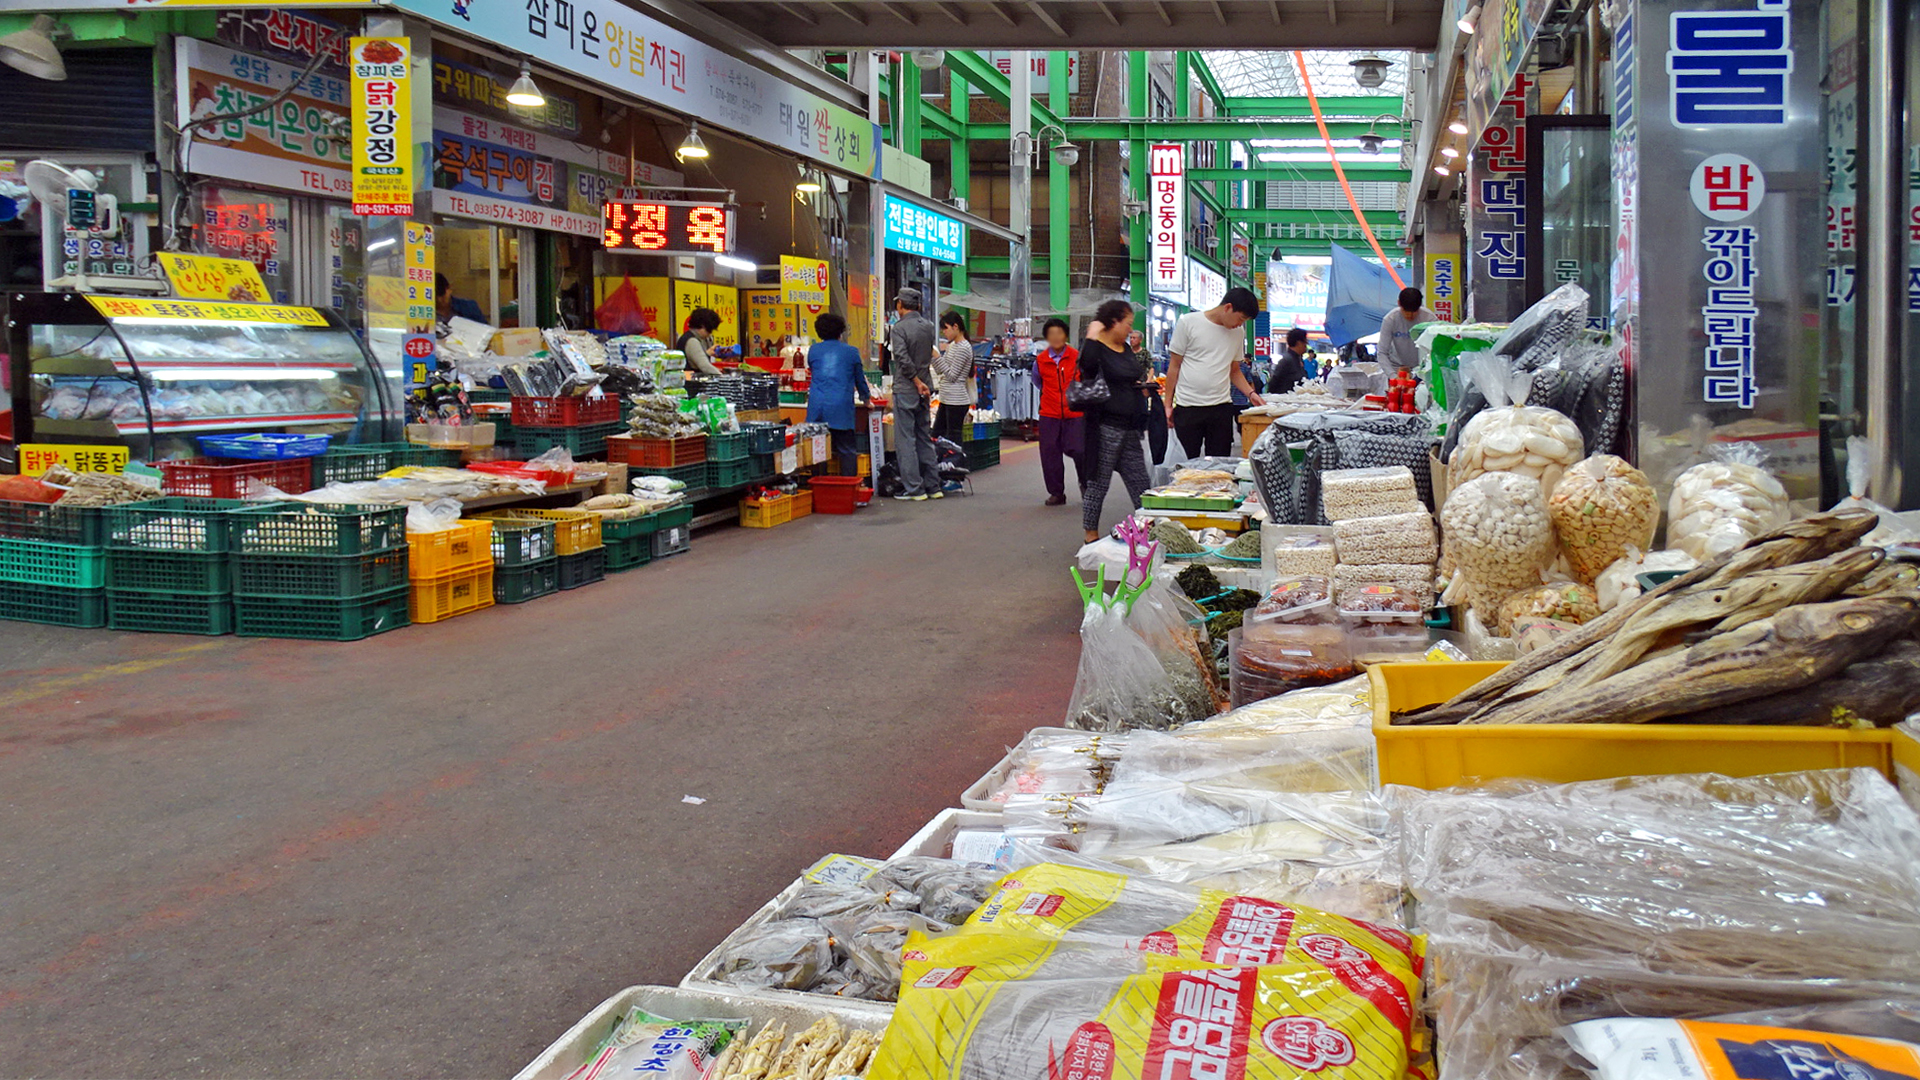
(1449, 755)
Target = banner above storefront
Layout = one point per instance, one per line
(916, 230)
(619, 48)
(299, 145)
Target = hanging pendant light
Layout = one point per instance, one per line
(525, 92)
(692, 146)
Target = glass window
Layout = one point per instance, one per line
(482, 267)
(236, 223)
(346, 269)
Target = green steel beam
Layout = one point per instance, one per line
(910, 105)
(941, 124)
(1263, 173)
(960, 163)
(1368, 107)
(975, 70)
(1182, 80)
(988, 264)
(1185, 130)
(1375, 218)
(1137, 176)
(1059, 193)
(1207, 79)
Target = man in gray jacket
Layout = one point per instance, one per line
(911, 342)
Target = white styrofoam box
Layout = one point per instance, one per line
(1255, 578)
(978, 797)
(573, 1049)
(935, 839)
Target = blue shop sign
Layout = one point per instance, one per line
(916, 230)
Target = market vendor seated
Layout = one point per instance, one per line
(446, 305)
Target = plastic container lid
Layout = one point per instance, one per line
(1380, 603)
(1295, 598)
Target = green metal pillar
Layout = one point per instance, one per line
(1182, 76)
(910, 108)
(1059, 193)
(960, 161)
(1137, 179)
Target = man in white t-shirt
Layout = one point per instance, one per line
(1203, 369)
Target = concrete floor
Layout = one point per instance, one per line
(428, 853)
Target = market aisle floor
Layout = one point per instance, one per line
(426, 854)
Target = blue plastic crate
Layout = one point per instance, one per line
(264, 447)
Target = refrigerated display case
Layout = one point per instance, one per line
(151, 374)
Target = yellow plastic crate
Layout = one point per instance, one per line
(574, 531)
(802, 503)
(466, 546)
(447, 595)
(766, 513)
(1449, 755)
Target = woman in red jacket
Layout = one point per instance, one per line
(1061, 433)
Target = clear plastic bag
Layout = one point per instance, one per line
(1602, 508)
(1500, 535)
(1655, 896)
(1567, 602)
(437, 515)
(792, 954)
(1620, 582)
(1394, 538)
(1719, 506)
(1893, 527)
(1524, 439)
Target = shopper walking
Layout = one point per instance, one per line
(1290, 368)
(1203, 370)
(910, 343)
(953, 377)
(697, 342)
(1062, 432)
(837, 379)
(1396, 348)
(1115, 425)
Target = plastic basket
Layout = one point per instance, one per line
(722, 475)
(983, 455)
(767, 513)
(184, 572)
(318, 529)
(169, 613)
(551, 477)
(763, 466)
(70, 566)
(527, 581)
(989, 430)
(211, 478)
(403, 454)
(731, 446)
(574, 531)
(521, 542)
(334, 577)
(488, 395)
(658, 453)
(589, 440)
(456, 592)
(625, 528)
(628, 553)
(263, 447)
(53, 604)
(53, 524)
(802, 504)
(1436, 756)
(565, 411)
(584, 568)
(319, 619)
(833, 494)
(1189, 502)
(673, 517)
(348, 464)
(172, 524)
(766, 438)
(673, 540)
(464, 548)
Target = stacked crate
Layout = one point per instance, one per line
(728, 466)
(53, 564)
(684, 460)
(576, 538)
(329, 572)
(167, 565)
(580, 424)
(525, 564)
(450, 571)
(673, 531)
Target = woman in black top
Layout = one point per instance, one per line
(1114, 426)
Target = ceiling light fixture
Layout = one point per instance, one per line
(692, 146)
(809, 184)
(1369, 71)
(1458, 127)
(732, 263)
(928, 59)
(32, 50)
(1470, 22)
(525, 92)
(1449, 152)
(1441, 170)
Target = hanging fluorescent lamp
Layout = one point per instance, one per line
(1440, 170)
(1458, 127)
(692, 146)
(524, 92)
(1449, 152)
(928, 59)
(809, 184)
(732, 263)
(1470, 22)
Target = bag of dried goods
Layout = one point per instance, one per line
(1893, 528)
(1175, 538)
(1620, 582)
(1647, 1048)
(1566, 601)
(1528, 440)
(1602, 507)
(1498, 528)
(656, 1046)
(1297, 549)
(1359, 493)
(1393, 538)
(1717, 507)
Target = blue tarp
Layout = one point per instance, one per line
(1360, 292)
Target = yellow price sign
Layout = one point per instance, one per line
(206, 277)
(382, 104)
(37, 458)
(137, 307)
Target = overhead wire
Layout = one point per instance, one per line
(1306, 83)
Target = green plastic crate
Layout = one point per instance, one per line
(169, 613)
(764, 438)
(488, 395)
(982, 454)
(402, 454)
(673, 517)
(185, 573)
(70, 566)
(722, 475)
(52, 524)
(694, 475)
(763, 465)
(328, 577)
(728, 447)
(629, 553)
(175, 524)
(53, 604)
(1189, 502)
(612, 528)
(528, 581)
(319, 619)
(521, 542)
(351, 464)
(583, 568)
(318, 529)
(587, 440)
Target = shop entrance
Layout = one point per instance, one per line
(483, 266)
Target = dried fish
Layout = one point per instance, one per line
(1879, 690)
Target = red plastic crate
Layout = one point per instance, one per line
(565, 411)
(834, 494)
(219, 478)
(657, 453)
(552, 477)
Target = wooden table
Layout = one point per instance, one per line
(1251, 427)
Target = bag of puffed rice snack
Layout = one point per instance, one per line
(1602, 508)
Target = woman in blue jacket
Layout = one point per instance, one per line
(837, 378)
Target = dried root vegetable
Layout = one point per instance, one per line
(853, 1058)
(1719, 506)
(757, 1056)
(1602, 508)
(806, 1057)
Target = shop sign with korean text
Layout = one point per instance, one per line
(1497, 208)
(658, 227)
(916, 230)
(467, 87)
(803, 281)
(1166, 217)
(37, 458)
(382, 99)
(496, 171)
(1443, 284)
(301, 144)
(283, 34)
(208, 277)
(1497, 53)
(140, 307)
(614, 45)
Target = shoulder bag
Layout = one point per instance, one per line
(1084, 393)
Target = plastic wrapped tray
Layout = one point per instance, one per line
(935, 838)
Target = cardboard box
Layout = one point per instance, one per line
(518, 341)
(616, 481)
